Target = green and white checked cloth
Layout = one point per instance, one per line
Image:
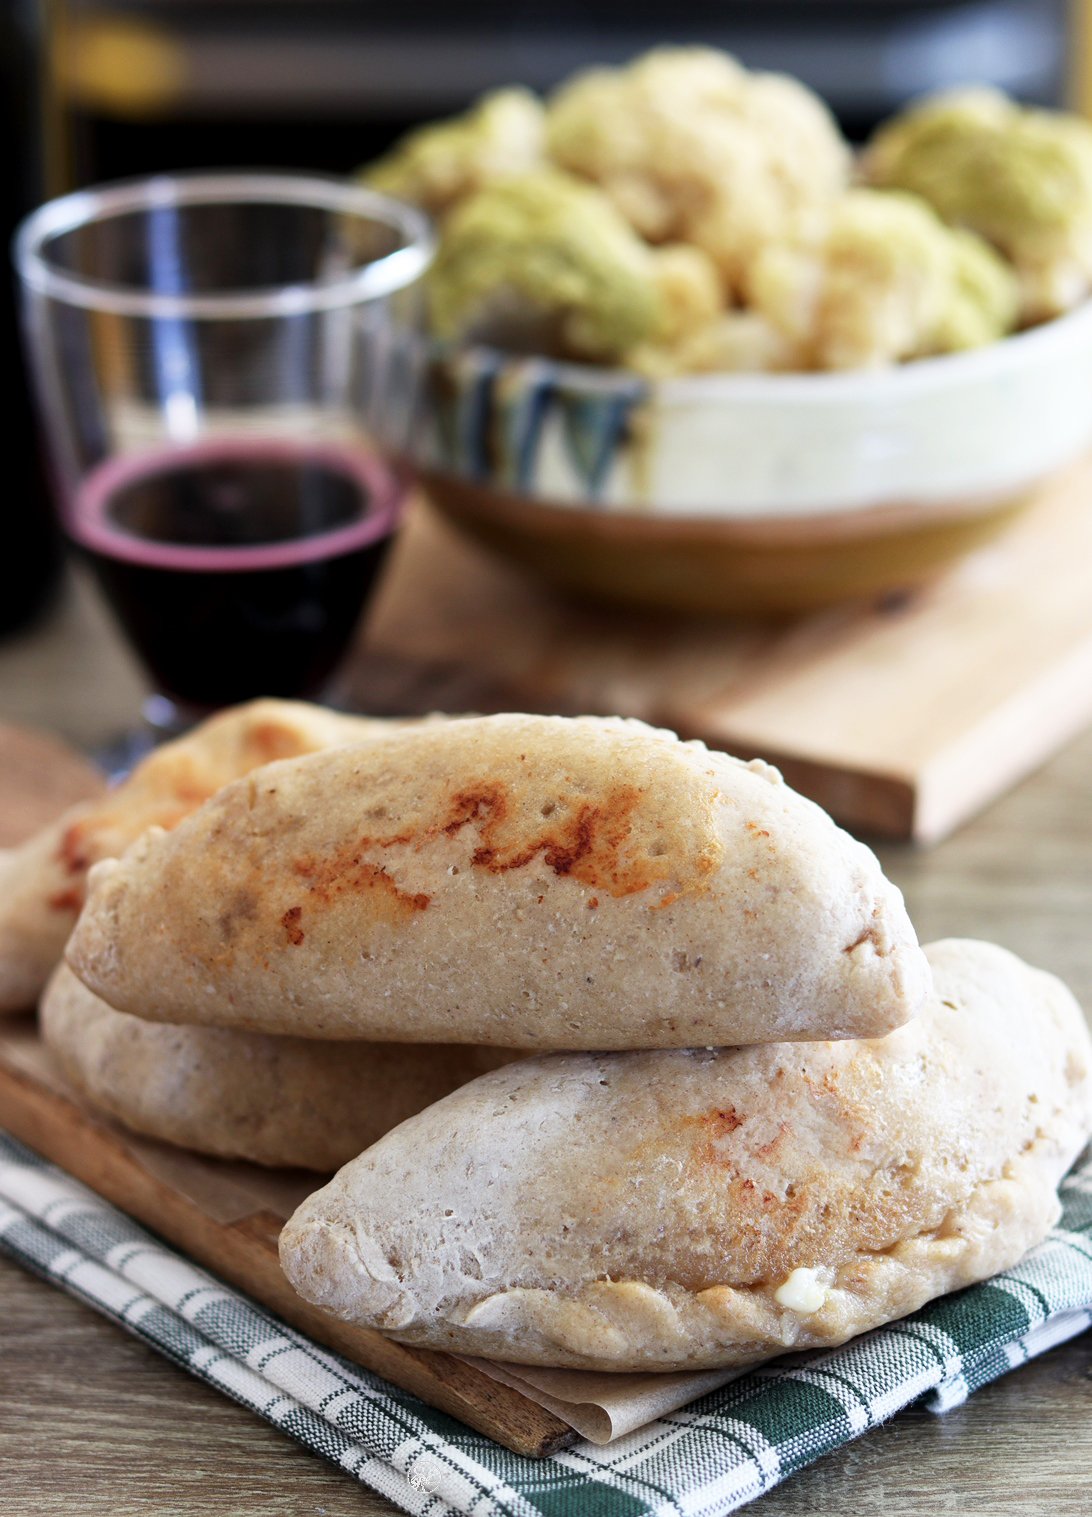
(707, 1459)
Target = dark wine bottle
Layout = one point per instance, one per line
(29, 541)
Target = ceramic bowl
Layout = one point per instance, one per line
(750, 493)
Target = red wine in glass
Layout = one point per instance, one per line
(238, 566)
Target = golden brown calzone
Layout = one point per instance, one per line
(683, 1210)
(523, 881)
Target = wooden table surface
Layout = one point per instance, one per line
(93, 1422)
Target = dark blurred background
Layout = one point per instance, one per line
(93, 90)
(158, 84)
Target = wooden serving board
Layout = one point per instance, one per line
(201, 1206)
(902, 718)
(225, 1216)
(39, 778)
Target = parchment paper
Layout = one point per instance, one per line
(604, 1407)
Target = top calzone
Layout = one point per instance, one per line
(42, 881)
(522, 881)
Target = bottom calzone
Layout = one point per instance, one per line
(241, 1095)
(701, 1208)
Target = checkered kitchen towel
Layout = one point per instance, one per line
(707, 1459)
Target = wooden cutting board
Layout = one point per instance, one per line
(227, 1217)
(902, 718)
(39, 778)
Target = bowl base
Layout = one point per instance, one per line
(738, 567)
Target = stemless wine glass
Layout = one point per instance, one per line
(222, 366)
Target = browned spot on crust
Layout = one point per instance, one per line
(759, 832)
(717, 1122)
(589, 841)
(81, 844)
(72, 851)
(346, 870)
(184, 782)
(291, 924)
(867, 936)
(67, 900)
(189, 796)
(592, 842)
(710, 1127)
(767, 1149)
(605, 841)
(485, 803)
(392, 840)
(267, 741)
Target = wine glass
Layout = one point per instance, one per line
(222, 367)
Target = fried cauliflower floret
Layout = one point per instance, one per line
(436, 166)
(887, 281)
(693, 148)
(544, 263)
(697, 335)
(690, 291)
(736, 342)
(1020, 178)
(985, 301)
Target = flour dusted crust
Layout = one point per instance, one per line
(524, 881)
(42, 882)
(664, 1211)
(238, 1095)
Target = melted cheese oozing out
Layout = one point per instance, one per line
(801, 1292)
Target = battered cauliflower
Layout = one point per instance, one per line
(736, 342)
(436, 166)
(693, 148)
(1020, 178)
(544, 263)
(887, 281)
(683, 215)
(696, 334)
(690, 291)
(985, 301)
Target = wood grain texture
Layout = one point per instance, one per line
(902, 718)
(72, 672)
(1020, 874)
(93, 1422)
(40, 777)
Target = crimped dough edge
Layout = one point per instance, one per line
(629, 1325)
